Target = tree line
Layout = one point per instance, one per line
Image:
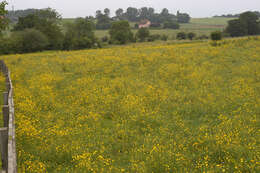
(103, 19)
(235, 15)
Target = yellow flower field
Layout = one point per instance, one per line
(145, 108)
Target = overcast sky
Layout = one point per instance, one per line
(196, 8)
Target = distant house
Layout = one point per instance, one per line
(144, 24)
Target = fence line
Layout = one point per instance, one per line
(7, 133)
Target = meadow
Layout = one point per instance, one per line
(189, 107)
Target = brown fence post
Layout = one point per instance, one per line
(6, 112)
(5, 95)
(4, 146)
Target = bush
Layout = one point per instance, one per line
(136, 26)
(142, 34)
(105, 39)
(154, 37)
(181, 36)
(203, 37)
(191, 35)
(155, 25)
(120, 32)
(5, 46)
(29, 40)
(164, 37)
(171, 25)
(215, 36)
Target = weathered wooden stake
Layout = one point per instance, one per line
(5, 94)
(5, 110)
(3, 147)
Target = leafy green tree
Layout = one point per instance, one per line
(165, 12)
(236, 28)
(183, 17)
(142, 34)
(29, 21)
(28, 40)
(79, 35)
(132, 14)
(98, 13)
(3, 19)
(46, 21)
(107, 12)
(103, 22)
(250, 19)
(247, 24)
(120, 32)
(119, 13)
(143, 13)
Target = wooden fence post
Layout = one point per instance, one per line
(5, 94)
(4, 146)
(5, 110)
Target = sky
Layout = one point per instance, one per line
(196, 8)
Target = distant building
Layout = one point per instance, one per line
(144, 24)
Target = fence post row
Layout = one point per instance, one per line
(7, 133)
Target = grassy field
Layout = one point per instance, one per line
(201, 26)
(139, 108)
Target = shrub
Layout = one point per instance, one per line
(171, 25)
(142, 34)
(164, 37)
(215, 36)
(191, 35)
(203, 37)
(120, 32)
(29, 40)
(181, 36)
(105, 39)
(5, 46)
(136, 26)
(154, 37)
